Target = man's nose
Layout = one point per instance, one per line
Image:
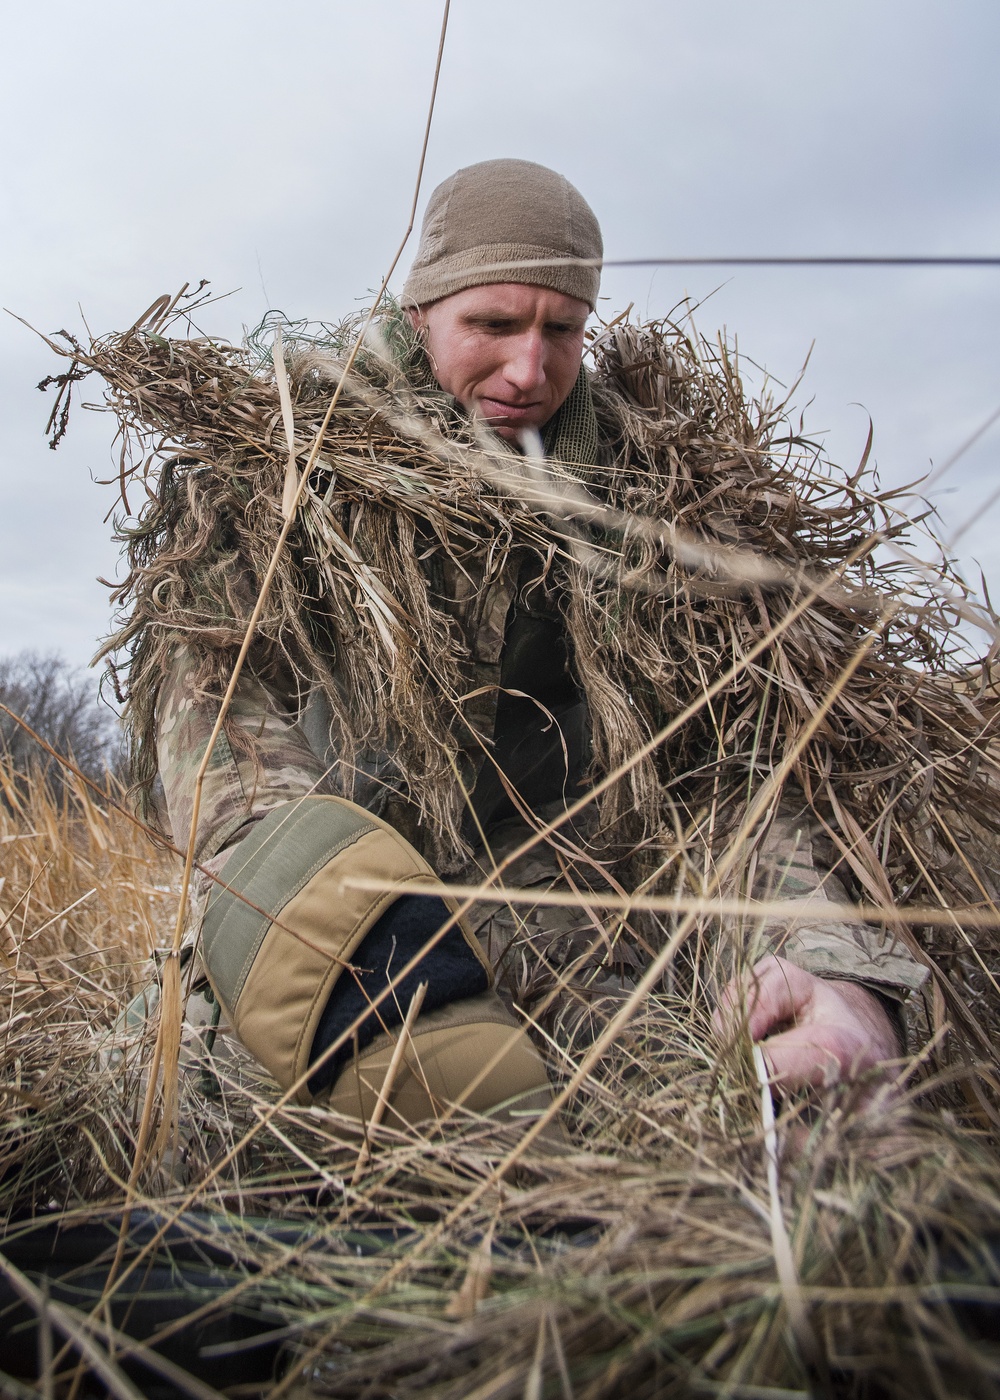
(524, 368)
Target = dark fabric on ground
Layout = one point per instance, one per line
(451, 970)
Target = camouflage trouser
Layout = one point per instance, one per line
(212, 1061)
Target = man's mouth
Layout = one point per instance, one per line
(493, 410)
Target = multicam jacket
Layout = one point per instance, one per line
(275, 749)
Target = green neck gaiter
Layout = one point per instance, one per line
(571, 435)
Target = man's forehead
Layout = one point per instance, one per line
(516, 301)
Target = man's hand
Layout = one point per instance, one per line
(812, 1030)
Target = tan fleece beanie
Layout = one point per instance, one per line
(503, 211)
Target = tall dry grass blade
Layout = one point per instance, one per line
(784, 1261)
(891, 914)
(290, 489)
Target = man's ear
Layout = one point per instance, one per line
(416, 318)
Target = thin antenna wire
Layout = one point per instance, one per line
(836, 260)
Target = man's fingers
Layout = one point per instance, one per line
(800, 1057)
(813, 1032)
(777, 993)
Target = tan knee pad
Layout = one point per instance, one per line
(277, 934)
(470, 1055)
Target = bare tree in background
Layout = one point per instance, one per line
(65, 708)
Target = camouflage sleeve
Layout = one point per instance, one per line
(790, 868)
(260, 760)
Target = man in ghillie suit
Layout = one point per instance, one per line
(508, 573)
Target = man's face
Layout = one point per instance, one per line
(509, 353)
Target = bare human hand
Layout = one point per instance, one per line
(814, 1031)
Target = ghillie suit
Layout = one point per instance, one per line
(648, 1262)
(673, 524)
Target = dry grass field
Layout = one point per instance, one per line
(665, 1252)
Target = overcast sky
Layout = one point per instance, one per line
(272, 149)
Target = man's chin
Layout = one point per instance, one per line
(511, 433)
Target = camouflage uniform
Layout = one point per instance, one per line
(522, 704)
(277, 763)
